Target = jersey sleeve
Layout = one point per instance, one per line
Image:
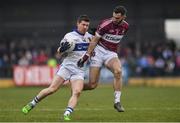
(126, 26)
(101, 29)
(68, 36)
(65, 38)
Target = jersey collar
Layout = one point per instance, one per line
(78, 32)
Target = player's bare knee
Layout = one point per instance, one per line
(77, 93)
(117, 73)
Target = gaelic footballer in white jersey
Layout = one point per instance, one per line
(69, 66)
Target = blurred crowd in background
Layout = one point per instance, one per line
(29, 32)
(25, 52)
(151, 59)
(143, 59)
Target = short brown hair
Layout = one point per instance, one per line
(120, 9)
(83, 18)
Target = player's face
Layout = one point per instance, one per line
(117, 17)
(83, 26)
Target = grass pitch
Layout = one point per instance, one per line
(141, 104)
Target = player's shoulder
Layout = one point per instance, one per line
(105, 22)
(88, 34)
(70, 34)
(125, 23)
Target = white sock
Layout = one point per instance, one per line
(117, 96)
(68, 111)
(35, 101)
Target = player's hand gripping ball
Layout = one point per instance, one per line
(67, 45)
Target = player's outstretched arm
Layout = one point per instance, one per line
(92, 44)
(91, 47)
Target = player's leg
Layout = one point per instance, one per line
(115, 66)
(57, 81)
(94, 73)
(61, 75)
(76, 86)
(96, 62)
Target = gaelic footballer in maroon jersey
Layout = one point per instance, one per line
(105, 42)
(111, 33)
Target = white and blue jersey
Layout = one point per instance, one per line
(69, 68)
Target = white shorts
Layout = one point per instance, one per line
(70, 74)
(102, 56)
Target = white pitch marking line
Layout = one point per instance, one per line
(98, 109)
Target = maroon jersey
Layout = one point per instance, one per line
(111, 33)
